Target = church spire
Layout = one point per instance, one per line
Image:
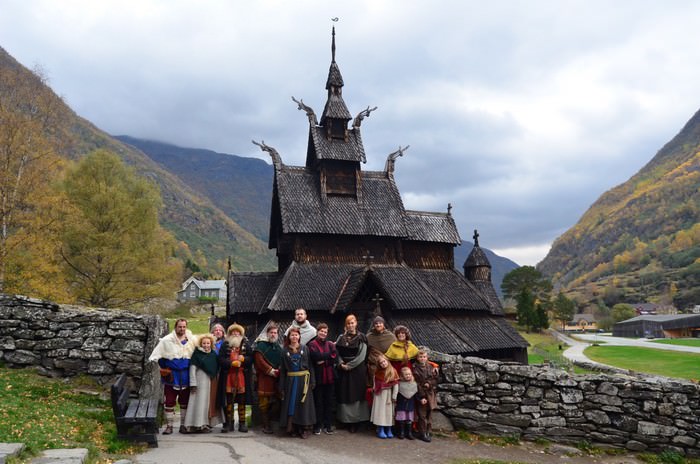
(333, 46)
(477, 266)
(335, 115)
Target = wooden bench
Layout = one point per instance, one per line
(137, 420)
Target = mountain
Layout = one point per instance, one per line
(240, 187)
(188, 214)
(500, 266)
(640, 240)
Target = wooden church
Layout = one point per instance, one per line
(346, 244)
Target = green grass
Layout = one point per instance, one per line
(648, 360)
(46, 413)
(679, 341)
(197, 321)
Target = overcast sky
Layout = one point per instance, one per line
(519, 113)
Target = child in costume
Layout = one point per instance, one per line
(202, 413)
(406, 404)
(385, 391)
(426, 375)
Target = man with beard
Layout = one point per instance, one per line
(307, 331)
(379, 339)
(173, 354)
(235, 360)
(268, 354)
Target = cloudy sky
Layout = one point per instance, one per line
(519, 113)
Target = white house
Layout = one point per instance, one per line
(193, 289)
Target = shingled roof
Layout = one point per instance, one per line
(432, 227)
(302, 209)
(456, 334)
(323, 147)
(333, 287)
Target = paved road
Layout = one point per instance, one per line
(343, 447)
(583, 341)
(642, 342)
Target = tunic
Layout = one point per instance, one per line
(383, 406)
(297, 381)
(198, 409)
(352, 383)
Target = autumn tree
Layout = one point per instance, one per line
(115, 252)
(31, 136)
(622, 312)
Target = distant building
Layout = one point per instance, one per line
(649, 309)
(582, 322)
(193, 289)
(659, 326)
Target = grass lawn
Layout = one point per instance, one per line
(648, 360)
(46, 413)
(197, 317)
(679, 341)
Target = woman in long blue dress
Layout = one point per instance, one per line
(296, 383)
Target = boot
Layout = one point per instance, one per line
(169, 421)
(400, 429)
(423, 436)
(388, 431)
(228, 422)
(242, 426)
(183, 414)
(380, 432)
(265, 419)
(408, 432)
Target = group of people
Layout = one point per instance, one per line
(381, 376)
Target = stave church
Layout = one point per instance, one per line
(345, 244)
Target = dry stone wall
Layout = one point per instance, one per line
(70, 340)
(532, 402)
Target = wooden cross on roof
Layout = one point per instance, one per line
(378, 306)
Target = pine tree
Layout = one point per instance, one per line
(526, 309)
(116, 253)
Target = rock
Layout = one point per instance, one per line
(607, 388)
(441, 422)
(634, 445)
(570, 395)
(597, 417)
(651, 428)
(564, 450)
(22, 357)
(62, 456)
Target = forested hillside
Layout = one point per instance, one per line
(639, 241)
(205, 232)
(240, 187)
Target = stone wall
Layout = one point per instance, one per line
(69, 340)
(532, 402)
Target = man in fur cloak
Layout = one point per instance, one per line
(235, 361)
(173, 354)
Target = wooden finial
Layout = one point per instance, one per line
(335, 20)
(449, 209)
(476, 238)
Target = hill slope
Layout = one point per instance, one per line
(240, 187)
(640, 240)
(190, 216)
